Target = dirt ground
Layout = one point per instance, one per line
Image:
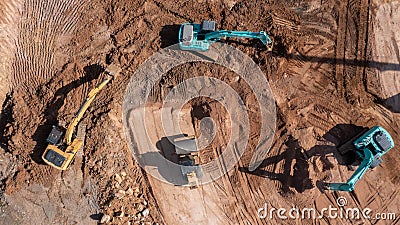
(333, 71)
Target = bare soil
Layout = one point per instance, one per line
(333, 71)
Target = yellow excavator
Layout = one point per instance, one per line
(62, 148)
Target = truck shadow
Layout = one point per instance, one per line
(165, 160)
(167, 149)
(296, 164)
(51, 112)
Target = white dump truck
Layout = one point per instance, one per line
(188, 156)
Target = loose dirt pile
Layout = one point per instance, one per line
(324, 73)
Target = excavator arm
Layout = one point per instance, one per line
(370, 146)
(358, 174)
(78, 116)
(262, 36)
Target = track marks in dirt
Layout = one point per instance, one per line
(8, 33)
(363, 24)
(172, 12)
(40, 29)
(352, 46)
(386, 50)
(340, 48)
(315, 98)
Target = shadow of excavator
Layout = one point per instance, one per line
(393, 103)
(165, 161)
(169, 35)
(296, 168)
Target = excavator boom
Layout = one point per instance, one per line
(78, 116)
(201, 36)
(217, 35)
(358, 174)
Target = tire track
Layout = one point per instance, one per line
(358, 83)
(323, 115)
(171, 12)
(340, 47)
(386, 22)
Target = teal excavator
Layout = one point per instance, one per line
(199, 37)
(369, 147)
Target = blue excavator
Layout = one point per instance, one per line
(369, 147)
(199, 37)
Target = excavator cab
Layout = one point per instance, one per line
(199, 37)
(56, 158)
(53, 156)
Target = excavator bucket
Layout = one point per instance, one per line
(113, 70)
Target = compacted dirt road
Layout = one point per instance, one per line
(333, 71)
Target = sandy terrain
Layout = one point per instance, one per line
(387, 18)
(334, 70)
(8, 34)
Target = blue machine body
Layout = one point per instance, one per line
(199, 37)
(370, 147)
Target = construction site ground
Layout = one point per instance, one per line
(334, 70)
